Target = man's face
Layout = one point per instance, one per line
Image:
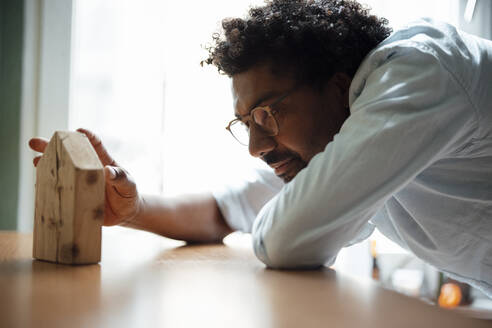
(308, 118)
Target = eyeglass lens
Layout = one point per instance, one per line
(262, 118)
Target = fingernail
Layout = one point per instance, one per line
(112, 173)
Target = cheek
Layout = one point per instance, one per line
(305, 128)
(296, 135)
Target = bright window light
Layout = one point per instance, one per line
(137, 82)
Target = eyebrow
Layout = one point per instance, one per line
(263, 98)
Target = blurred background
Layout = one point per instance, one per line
(130, 71)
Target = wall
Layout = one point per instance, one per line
(11, 32)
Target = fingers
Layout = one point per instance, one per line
(122, 183)
(110, 172)
(110, 217)
(36, 160)
(102, 153)
(38, 144)
(121, 196)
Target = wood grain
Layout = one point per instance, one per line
(69, 208)
(145, 280)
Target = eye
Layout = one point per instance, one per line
(260, 116)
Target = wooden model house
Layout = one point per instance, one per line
(69, 209)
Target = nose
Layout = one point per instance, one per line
(260, 143)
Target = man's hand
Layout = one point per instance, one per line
(123, 202)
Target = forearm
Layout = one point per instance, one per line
(193, 218)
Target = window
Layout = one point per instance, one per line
(137, 81)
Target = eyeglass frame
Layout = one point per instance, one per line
(271, 112)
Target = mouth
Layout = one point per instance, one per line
(281, 167)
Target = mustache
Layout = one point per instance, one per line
(274, 157)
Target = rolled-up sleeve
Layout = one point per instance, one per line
(240, 201)
(410, 111)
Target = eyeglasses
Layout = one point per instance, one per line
(262, 116)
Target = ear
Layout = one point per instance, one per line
(342, 82)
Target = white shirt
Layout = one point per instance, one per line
(414, 159)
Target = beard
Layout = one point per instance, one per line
(295, 165)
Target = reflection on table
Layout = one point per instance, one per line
(146, 280)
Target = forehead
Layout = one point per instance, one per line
(256, 85)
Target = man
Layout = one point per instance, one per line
(365, 128)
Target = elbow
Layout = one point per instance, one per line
(278, 252)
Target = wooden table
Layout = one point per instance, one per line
(145, 280)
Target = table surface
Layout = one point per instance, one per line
(145, 280)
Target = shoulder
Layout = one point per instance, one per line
(422, 45)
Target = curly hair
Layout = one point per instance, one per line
(313, 39)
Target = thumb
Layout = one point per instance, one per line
(121, 181)
(110, 172)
